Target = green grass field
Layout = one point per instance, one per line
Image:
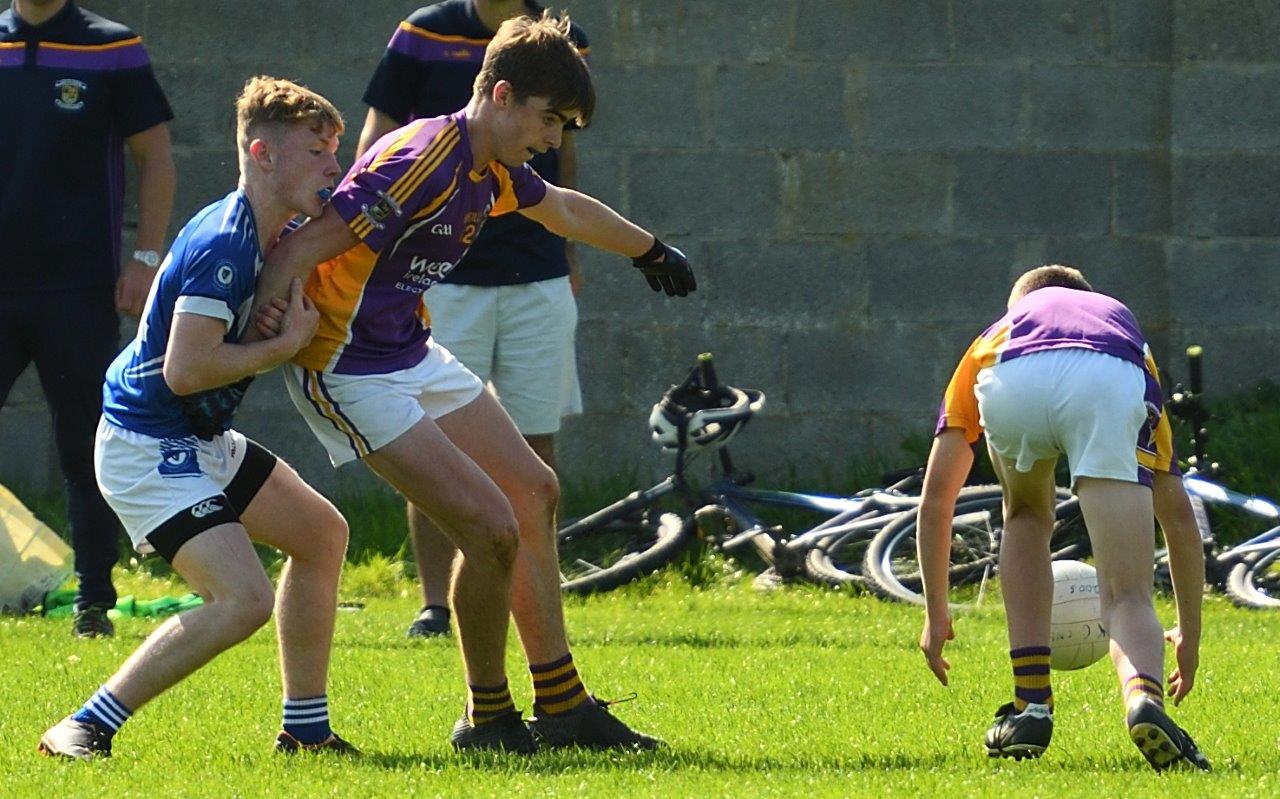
(797, 692)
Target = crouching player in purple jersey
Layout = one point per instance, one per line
(1067, 371)
(373, 385)
(187, 486)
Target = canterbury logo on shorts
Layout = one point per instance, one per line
(203, 509)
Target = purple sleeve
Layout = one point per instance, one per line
(378, 203)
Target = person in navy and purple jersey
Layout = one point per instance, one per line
(374, 385)
(507, 312)
(1066, 370)
(192, 489)
(78, 90)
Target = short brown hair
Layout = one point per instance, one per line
(268, 101)
(1042, 277)
(539, 59)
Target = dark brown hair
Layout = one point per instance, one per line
(538, 58)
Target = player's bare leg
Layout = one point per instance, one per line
(221, 565)
(439, 478)
(294, 518)
(1119, 516)
(433, 554)
(1029, 500)
(484, 432)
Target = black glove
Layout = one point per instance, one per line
(666, 269)
(209, 412)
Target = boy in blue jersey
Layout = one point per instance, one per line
(1066, 371)
(186, 485)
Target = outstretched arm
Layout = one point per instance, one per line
(576, 216)
(949, 463)
(296, 256)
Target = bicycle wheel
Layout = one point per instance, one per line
(892, 565)
(837, 562)
(605, 555)
(1256, 583)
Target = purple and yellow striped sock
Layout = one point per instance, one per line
(1031, 677)
(1143, 685)
(488, 702)
(557, 688)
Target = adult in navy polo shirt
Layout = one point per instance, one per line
(77, 90)
(507, 311)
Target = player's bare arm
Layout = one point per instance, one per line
(296, 257)
(197, 357)
(1186, 569)
(949, 463)
(576, 216)
(152, 153)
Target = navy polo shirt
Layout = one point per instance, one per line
(428, 70)
(74, 88)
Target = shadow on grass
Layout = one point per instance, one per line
(664, 760)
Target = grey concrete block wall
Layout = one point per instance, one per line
(856, 181)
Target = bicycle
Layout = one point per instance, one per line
(1247, 572)
(649, 528)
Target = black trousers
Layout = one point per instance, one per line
(71, 336)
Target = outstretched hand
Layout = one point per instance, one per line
(935, 636)
(667, 269)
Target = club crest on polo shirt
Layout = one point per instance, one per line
(70, 95)
(178, 459)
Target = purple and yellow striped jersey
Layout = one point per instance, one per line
(1057, 318)
(416, 201)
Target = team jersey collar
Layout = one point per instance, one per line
(68, 12)
(464, 141)
(243, 199)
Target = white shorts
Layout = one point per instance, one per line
(1078, 402)
(518, 338)
(354, 415)
(168, 490)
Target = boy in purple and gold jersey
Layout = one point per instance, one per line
(373, 385)
(1067, 371)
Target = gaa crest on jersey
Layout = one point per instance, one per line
(379, 212)
(70, 95)
(178, 459)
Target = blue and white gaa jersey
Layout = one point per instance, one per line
(211, 270)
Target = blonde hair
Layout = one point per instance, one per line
(271, 102)
(1045, 276)
(539, 59)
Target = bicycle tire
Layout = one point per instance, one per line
(838, 561)
(1255, 583)
(619, 551)
(892, 568)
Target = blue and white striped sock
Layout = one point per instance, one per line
(308, 719)
(104, 710)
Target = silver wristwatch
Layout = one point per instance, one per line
(149, 258)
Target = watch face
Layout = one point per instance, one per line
(150, 258)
